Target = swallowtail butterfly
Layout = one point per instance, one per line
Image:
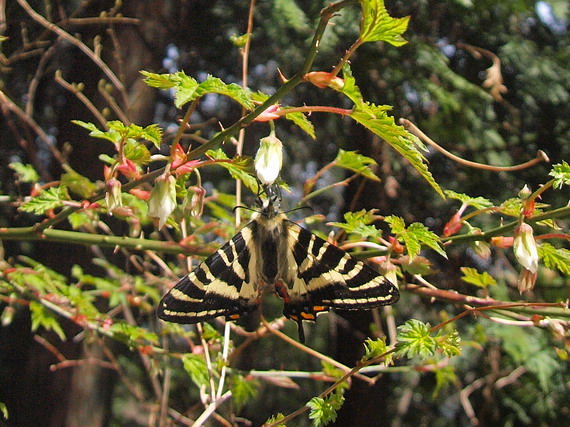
(309, 274)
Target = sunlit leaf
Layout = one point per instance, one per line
(561, 174)
(555, 258)
(50, 198)
(378, 25)
(414, 340)
(482, 280)
(25, 172)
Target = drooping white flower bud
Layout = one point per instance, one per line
(162, 200)
(113, 195)
(525, 248)
(269, 159)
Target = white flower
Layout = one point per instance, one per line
(162, 200)
(269, 159)
(113, 196)
(525, 248)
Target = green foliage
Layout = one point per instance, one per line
(476, 202)
(414, 236)
(118, 132)
(378, 25)
(3, 408)
(414, 339)
(324, 411)
(375, 348)
(481, 280)
(243, 390)
(41, 317)
(188, 89)
(51, 198)
(561, 174)
(357, 163)
(376, 119)
(556, 258)
(239, 168)
(303, 122)
(195, 366)
(25, 172)
(359, 223)
(78, 184)
(443, 377)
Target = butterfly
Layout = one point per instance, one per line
(308, 273)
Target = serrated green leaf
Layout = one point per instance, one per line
(378, 25)
(482, 280)
(324, 411)
(132, 335)
(136, 152)
(358, 223)
(41, 317)
(555, 258)
(357, 163)
(110, 135)
(414, 236)
(414, 340)
(350, 89)
(561, 174)
(476, 202)
(196, 367)
(303, 122)
(376, 119)
(25, 172)
(188, 89)
(50, 198)
(374, 348)
(77, 183)
(449, 343)
(118, 132)
(243, 390)
(275, 419)
(239, 168)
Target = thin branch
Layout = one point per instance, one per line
(79, 44)
(540, 155)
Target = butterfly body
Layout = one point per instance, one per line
(308, 273)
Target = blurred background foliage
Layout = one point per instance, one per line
(437, 81)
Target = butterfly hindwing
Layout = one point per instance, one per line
(324, 276)
(223, 285)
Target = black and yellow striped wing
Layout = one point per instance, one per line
(324, 276)
(225, 284)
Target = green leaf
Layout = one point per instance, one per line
(324, 411)
(118, 132)
(414, 340)
(240, 41)
(239, 168)
(276, 418)
(378, 25)
(196, 367)
(41, 317)
(48, 199)
(133, 335)
(561, 174)
(482, 280)
(374, 348)
(77, 183)
(357, 163)
(25, 172)
(476, 202)
(243, 390)
(350, 89)
(449, 343)
(443, 377)
(136, 152)
(303, 122)
(188, 89)
(3, 408)
(358, 223)
(414, 236)
(376, 119)
(555, 258)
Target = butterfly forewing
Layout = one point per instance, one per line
(223, 285)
